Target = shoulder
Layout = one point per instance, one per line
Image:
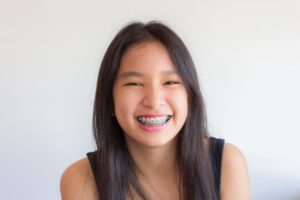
(235, 182)
(77, 182)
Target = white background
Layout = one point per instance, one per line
(247, 55)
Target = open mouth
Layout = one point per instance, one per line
(153, 121)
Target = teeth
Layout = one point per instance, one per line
(152, 121)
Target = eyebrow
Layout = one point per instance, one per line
(128, 74)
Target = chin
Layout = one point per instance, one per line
(151, 142)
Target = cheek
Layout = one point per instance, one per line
(125, 103)
(180, 102)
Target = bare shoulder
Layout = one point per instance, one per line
(77, 182)
(235, 183)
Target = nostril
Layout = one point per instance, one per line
(153, 102)
(153, 98)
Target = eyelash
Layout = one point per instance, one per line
(172, 82)
(139, 84)
(133, 84)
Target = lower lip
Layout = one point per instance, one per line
(153, 128)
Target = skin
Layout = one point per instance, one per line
(154, 92)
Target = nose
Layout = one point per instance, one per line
(153, 97)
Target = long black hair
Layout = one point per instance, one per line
(116, 179)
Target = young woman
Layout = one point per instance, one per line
(150, 128)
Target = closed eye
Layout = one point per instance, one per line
(171, 82)
(133, 84)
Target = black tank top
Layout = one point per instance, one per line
(216, 151)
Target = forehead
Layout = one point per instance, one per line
(147, 58)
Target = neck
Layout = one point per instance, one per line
(154, 162)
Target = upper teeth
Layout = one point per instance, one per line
(153, 120)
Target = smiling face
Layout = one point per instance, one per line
(150, 100)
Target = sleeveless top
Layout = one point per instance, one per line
(216, 151)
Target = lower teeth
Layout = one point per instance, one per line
(158, 124)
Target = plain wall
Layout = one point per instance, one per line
(247, 57)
